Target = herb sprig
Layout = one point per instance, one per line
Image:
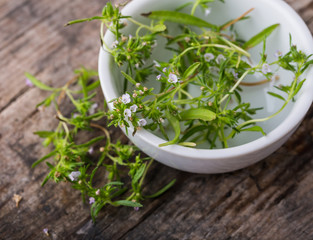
(206, 56)
(97, 168)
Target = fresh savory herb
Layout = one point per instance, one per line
(207, 56)
(120, 167)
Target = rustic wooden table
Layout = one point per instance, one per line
(269, 200)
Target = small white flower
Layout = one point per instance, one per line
(90, 150)
(144, 43)
(137, 65)
(156, 64)
(164, 70)
(46, 231)
(207, 11)
(133, 108)
(127, 113)
(220, 58)
(135, 95)
(130, 36)
(75, 115)
(93, 108)
(74, 175)
(141, 92)
(98, 192)
(142, 122)
(114, 44)
(278, 54)
(187, 39)
(161, 120)
(266, 68)
(92, 200)
(125, 98)
(158, 77)
(137, 85)
(28, 83)
(208, 57)
(172, 78)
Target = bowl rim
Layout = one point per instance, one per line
(289, 124)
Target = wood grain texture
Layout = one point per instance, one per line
(269, 200)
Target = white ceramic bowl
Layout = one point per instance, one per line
(248, 148)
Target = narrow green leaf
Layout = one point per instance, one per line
(179, 17)
(175, 124)
(84, 20)
(306, 65)
(159, 28)
(129, 78)
(163, 132)
(277, 96)
(254, 129)
(161, 191)
(114, 183)
(87, 144)
(128, 203)
(191, 69)
(198, 113)
(299, 86)
(258, 38)
(38, 83)
(45, 180)
(44, 134)
(139, 173)
(192, 131)
(44, 158)
(187, 144)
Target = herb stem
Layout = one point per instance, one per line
(236, 85)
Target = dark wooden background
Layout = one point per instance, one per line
(269, 200)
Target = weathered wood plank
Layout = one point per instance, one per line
(270, 200)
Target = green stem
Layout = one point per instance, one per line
(236, 85)
(145, 173)
(271, 116)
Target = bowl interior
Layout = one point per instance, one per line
(265, 13)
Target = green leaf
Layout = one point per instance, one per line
(258, 38)
(187, 144)
(114, 183)
(277, 96)
(175, 124)
(161, 191)
(158, 28)
(299, 86)
(84, 20)
(177, 17)
(45, 180)
(254, 129)
(38, 83)
(87, 144)
(44, 158)
(128, 203)
(192, 131)
(306, 65)
(139, 173)
(44, 134)
(198, 113)
(129, 78)
(191, 69)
